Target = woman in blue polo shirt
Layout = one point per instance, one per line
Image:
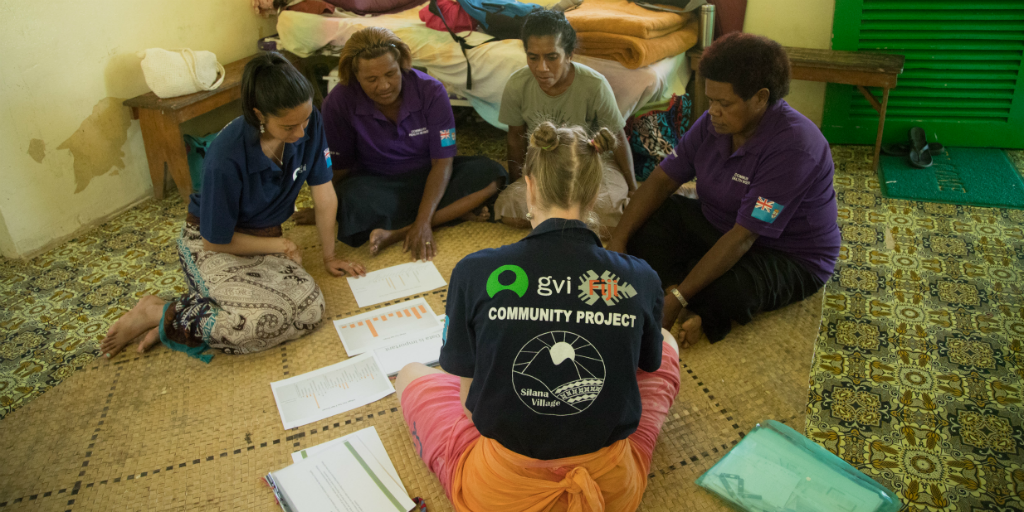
(763, 233)
(559, 375)
(392, 135)
(247, 288)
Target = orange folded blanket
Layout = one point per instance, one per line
(624, 18)
(634, 52)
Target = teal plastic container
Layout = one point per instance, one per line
(775, 469)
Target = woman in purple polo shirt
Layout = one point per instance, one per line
(763, 233)
(247, 289)
(392, 136)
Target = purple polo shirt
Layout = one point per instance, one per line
(363, 140)
(778, 185)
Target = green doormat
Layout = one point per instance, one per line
(968, 176)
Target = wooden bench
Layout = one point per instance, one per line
(160, 120)
(838, 67)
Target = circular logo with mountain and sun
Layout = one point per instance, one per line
(558, 373)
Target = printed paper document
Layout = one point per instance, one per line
(367, 441)
(386, 326)
(331, 390)
(395, 282)
(346, 477)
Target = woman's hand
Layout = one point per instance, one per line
(340, 268)
(420, 241)
(291, 251)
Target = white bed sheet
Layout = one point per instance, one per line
(493, 63)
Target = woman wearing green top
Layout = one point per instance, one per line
(554, 88)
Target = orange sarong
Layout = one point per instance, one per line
(490, 477)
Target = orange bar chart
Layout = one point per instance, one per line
(362, 333)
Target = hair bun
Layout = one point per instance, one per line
(545, 136)
(604, 140)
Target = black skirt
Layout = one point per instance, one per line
(368, 202)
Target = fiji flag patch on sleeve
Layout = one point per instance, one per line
(327, 157)
(766, 210)
(447, 137)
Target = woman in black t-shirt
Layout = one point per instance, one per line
(554, 352)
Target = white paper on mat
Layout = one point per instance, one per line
(366, 441)
(330, 390)
(344, 477)
(425, 348)
(386, 326)
(395, 282)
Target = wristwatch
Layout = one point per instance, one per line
(682, 300)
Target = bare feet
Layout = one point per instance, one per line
(380, 239)
(480, 215)
(305, 217)
(691, 331)
(152, 338)
(144, 316)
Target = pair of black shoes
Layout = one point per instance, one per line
(916, 148)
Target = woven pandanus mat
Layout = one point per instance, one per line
(165, 432)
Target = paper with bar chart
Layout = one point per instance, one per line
(386, 326)
(330, 390)
(395, 282)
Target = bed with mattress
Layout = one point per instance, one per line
(492, 63)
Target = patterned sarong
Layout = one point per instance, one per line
(238, 304)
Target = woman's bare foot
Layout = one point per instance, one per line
(305, 217)
(480, 215)
(152, 338)
(381, 239)
(691, 331)
(143, 317)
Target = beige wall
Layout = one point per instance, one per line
(71, 156)
(803, 23)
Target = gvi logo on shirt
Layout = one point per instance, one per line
(298, 170)
(519, 286)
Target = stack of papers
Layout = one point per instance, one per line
(349, 474)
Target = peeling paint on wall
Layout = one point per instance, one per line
(96, 145)
(37, 150)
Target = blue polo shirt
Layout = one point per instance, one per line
(243, 188)
(552, 330)
(778, 184)
(363, 140)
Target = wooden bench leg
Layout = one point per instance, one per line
(881, 126)
(700, 100)
(165, 150)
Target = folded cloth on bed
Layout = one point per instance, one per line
(624, 18)
(634, 52)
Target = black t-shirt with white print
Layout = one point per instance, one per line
(552, 330)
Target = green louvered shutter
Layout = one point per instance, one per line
(963, 80)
